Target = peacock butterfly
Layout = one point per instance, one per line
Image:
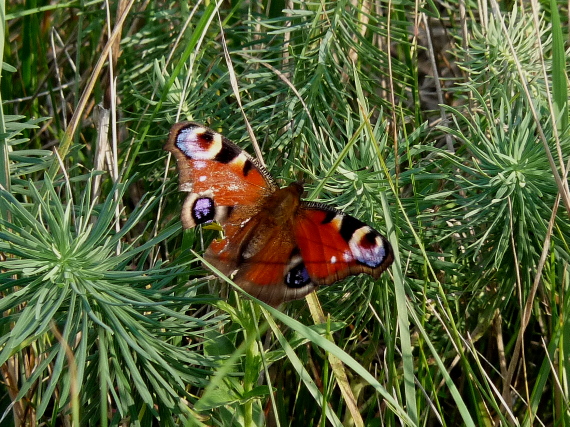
(276, 247)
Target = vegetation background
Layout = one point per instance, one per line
(444, 124)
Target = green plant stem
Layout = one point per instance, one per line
(251, 373)
(4, 164)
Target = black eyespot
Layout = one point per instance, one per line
(369, 239)
(207, 136)
(297, 277)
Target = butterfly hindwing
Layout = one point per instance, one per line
(268, 267)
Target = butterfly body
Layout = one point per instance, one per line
(276, 246)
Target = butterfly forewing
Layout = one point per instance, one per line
(334, 245)
(209, 162)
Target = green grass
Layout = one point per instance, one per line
(109, 316)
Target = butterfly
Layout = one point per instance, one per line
(275, 246)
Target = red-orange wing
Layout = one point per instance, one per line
(229, 186)
(318, 246)
(268, 266)
(217, 173)
(334, 245)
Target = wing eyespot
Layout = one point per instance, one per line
(297, 275)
